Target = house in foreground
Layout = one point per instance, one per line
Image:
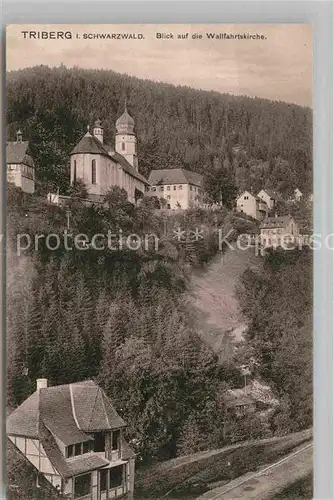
(180, 188)
(20, 164)
(73, 436)
(251, 205)
(279, 231)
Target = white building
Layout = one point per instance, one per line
(279, 231)
(179, 187)
(251, 205)
(20, 165)
(297, 194)
(73, 437)
(270, 197)
(101, 166)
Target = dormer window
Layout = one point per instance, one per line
(116, 435)
(75, 450)
(99, 442)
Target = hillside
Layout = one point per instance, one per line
(212, 293)
(252, 138)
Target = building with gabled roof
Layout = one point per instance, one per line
(101, 166)
(20, 164)
(251, 205)
(180, 188)
(270, 197)
(74, 437)
(279, 231)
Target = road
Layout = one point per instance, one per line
(263, 484)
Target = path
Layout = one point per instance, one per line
(269, 480)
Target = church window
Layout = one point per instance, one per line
(75, 171)
(123, 146)
(93, 171)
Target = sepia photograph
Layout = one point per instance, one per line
(159, 262)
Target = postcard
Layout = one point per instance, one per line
(159, 261)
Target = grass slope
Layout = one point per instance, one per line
(188, 477)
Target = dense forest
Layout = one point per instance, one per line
(251, 142)
(117, 316)
(277, 302)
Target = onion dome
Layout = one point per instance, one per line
(98, 124)
(125, 123)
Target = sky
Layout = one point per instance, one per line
(277, 66)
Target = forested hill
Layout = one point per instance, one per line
(258, 140)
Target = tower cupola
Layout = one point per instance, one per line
(98, 130)
(125, 123)
(19, 136)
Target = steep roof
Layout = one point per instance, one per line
(249, 193)
(175, 176)
(70, 413)
(272, 194)
(127, 166)
(90, 144)
(125, 123)
(273, 222)
(24, 420)
(18, 152)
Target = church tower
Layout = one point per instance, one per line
(126, 143)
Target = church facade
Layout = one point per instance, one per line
(101, 166)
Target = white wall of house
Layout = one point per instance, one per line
(23, 176)
(266, 198)
(247, 204)
(275, 236)
(33, 450)
(185, 195)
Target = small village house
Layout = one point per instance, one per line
(270, 197)
(73, 436)
(179, 187)
(20, 164)
(297, 194)
(279, 231)
(251, 205)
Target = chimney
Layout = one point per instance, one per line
(41, 383)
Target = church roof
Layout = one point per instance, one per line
(125, 123)
(90, 144)
(18, 152)
(127, 166)
(175, 176)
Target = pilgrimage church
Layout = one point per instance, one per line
(101, 166)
